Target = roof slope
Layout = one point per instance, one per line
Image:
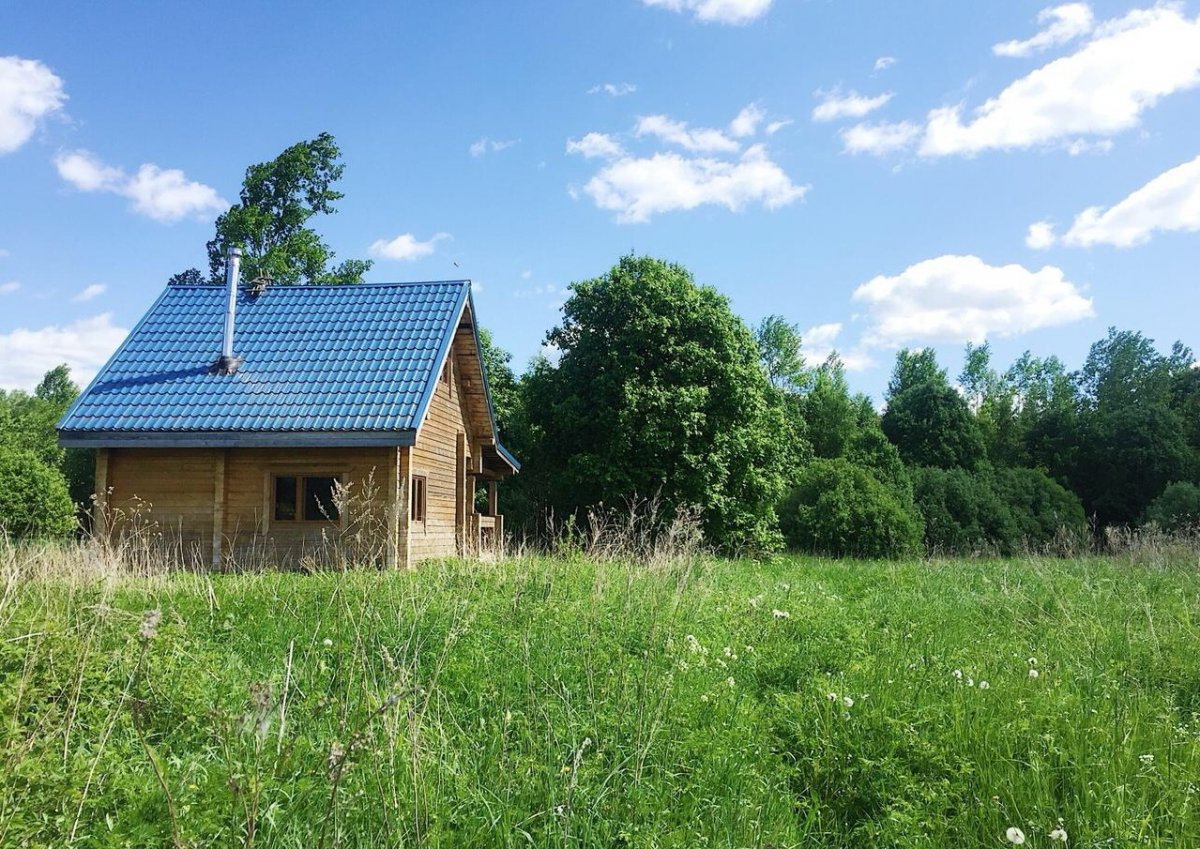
(318, 360)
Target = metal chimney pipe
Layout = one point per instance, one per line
(226, 363)
(233, 267)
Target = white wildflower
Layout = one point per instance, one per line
(1032, 661)
(957, 674)
(150, 622)
(1015, 836)
(983, 685)
(1033, 673)
(328, 643)
(704, 697)
(832, 697)
(731, 682)
(970, 682)
(781, 614)
(847, 701)
(1147, 758)
(1059, 835)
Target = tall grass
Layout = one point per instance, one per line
(570, 701)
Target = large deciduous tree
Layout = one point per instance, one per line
(270, 221)
(657, 390)
(927, 420)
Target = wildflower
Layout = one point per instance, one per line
(565, 770)
(1147, 759)
(847, 701)
(970, 682)
(983, 685)
(1015, 836)
(731, 682)
(1033, 673)
(337, 754)
(1032, 661)
(781, 614)
(328, 643)
(150, 624)
(957, 674)
(704, 697)
(832, 697)
(693, 644)
(1059, 835)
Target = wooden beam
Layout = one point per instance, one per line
(218, 533)
(404, 507)
(100, 505)
(493, 500)
(460, 492)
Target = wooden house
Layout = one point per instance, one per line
(244, 418)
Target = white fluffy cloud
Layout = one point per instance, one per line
(820, 342)
(613, 89)
(1169, 202)
(85, 345)
(746, 122)
(406, 246)
(1061, 24)
(700, 140)
(717, 11)
(89, 293)
(164, 194)
(1100, 90)
(879, 139)
(1040, 235)
(29, 92)
(834, 105)
(596, 146)
(963, 299)
(637, 189)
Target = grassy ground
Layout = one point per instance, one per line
(552, 703)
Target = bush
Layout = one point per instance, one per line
(1177, 508)
(993, 512)
(841, 509)
(34, 502)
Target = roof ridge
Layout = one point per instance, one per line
(301, 286)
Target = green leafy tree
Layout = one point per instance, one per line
(34, 501)
(830, 412)
(840, 509)
(926, 419)
(779, 346)
(992, 397)
(270, 221)
(658, 390)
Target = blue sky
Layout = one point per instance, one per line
(882, 174)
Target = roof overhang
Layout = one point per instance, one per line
(235, 439)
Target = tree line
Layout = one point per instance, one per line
(658, 389)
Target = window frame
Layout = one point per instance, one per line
(418, 505)
(301, 479)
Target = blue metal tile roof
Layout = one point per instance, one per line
(317, 360)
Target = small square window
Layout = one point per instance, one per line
(305, 498)
(419, 488)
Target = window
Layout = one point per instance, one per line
(418, 498)
(305, 498)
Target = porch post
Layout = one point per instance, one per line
(100, 505)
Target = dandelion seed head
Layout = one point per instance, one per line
(1015, 836)
(1032, 661)
(832, 697)
(1059, 835)
(957, 674)
(983, 685)
(847, 701)
(328, 643)
(781, 614)
(1033, 673)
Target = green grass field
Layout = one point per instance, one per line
(785, 703)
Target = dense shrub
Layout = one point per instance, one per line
(34, 502)
(1177, 509)
(1004, 511)
(841, 509)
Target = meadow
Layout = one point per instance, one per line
(568, 701)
